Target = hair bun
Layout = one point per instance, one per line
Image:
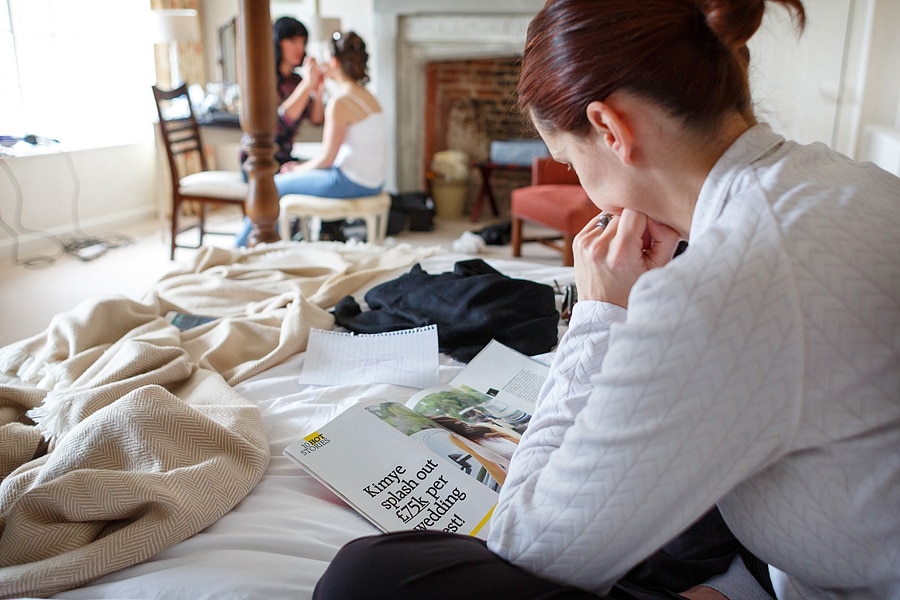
(733, 21)
(350, 50)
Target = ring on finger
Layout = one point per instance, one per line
(604, 219)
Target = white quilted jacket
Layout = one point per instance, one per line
(759, 370)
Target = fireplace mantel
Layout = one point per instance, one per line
(409, 35)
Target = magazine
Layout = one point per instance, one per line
(438, 461)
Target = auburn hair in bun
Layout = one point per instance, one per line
(688, 56)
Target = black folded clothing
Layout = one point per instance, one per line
(470, 306)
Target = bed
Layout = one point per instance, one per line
(146, 499)
(165, 476)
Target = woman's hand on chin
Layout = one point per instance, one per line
(609, 259)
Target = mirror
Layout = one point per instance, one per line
(228, 50)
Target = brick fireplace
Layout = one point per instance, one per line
(468, 104)
(424, 41)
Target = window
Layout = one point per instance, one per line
(77, 71)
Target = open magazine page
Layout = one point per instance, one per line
(490, 402)
(438, 461)
(399, 470)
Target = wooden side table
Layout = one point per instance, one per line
(487, 167)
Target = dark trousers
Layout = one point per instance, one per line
(436, 566)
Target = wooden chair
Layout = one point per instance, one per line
(555, 200)
(312, 210)
(192, 180)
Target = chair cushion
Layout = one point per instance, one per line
(217, 184)
(329, 209)
(562, 207)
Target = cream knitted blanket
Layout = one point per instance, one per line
(121, 436)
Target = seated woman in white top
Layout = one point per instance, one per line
(353, 159)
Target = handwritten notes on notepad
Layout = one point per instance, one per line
(408, 357)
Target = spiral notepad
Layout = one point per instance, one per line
(408, 357)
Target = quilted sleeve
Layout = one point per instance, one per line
(633, 442)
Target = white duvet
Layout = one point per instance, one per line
(278, 540)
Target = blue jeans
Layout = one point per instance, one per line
(328, 183)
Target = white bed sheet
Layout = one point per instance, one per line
(278, 540)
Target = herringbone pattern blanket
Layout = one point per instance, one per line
(121, 436)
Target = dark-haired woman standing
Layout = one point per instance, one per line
(300, 97)
(757, 372)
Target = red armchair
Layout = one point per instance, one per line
(555, 200)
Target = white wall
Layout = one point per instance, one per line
(797, 80)
(215, 14)
(881, 101)
(60, 192)
(839, 76)
(879, 140)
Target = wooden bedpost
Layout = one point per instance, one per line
(259, 116)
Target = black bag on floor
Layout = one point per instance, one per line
(498, 234)
(414, 209)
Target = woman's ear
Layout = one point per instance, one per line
(611, 127)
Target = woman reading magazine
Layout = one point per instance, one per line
(757, 372)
